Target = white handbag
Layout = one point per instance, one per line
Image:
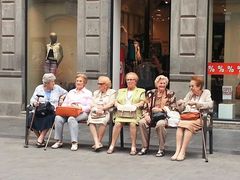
(173, 117)
(126, 111)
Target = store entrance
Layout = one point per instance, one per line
(145, 40)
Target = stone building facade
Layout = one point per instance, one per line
(97, 39)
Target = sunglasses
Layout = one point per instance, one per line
(130, 79)
(100, 83)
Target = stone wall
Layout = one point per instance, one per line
(188, 46)
(94, 19)
(11, 56)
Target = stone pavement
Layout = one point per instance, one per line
(19, 163)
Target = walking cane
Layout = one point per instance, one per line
(150, 96)
(45, 148)
(204, 139)
(27, 130)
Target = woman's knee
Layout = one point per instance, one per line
(161, 124)
(59, 119)
(72, 120)
(133, 125)
(142, 122)
(118, 125)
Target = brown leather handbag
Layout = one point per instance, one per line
(68, 111)
(190, 116)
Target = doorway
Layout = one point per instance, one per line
(144, 40)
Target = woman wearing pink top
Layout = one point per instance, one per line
(81, 97)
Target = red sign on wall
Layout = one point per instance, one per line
(223, 68)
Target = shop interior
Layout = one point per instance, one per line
(225, 49)
(145, 38)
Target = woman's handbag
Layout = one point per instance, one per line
(190, 116)
(126, 111)
(173, 118)
(94, 115)
(68, 111)
(44, 109)
(157, 116)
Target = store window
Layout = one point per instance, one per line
(145, 39)
(223, 69)
(45, 17)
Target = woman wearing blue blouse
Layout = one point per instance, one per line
(49, 92)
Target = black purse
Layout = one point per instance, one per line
(44, 109)
(157, 116)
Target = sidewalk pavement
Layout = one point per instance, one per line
(19, 163)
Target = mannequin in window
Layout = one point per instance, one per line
(54, 54)
(138, 56)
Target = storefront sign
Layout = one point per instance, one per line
(227, 92)
(223, 68)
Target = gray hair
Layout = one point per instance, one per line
(106, 80)
(48, 77)
(133, 74)
(160, 77)
(83, 76)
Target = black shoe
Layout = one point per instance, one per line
(160, 153)
(40, 145)
(142, 152)
(98, 149)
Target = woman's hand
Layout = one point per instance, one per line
(191, 103)
(76, 105)
(99, 111)
(199, 105)
(180, 102)
(147, 118)
(36, 104)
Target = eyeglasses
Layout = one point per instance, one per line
(190, 86)
(130, 79)
(100, 83)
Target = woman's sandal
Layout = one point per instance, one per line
(180, 158)
(160, 153)
(142, 152)
(133, 152)
(100, 145)
(98, 149)
(39, 145)
(173, 158)
(110, 150)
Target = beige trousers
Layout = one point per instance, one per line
(160, 129)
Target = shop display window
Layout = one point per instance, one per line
(44, 17)
(224, 65)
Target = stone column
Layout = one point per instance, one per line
(94, 38)
(188, 51)
(11, 56)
